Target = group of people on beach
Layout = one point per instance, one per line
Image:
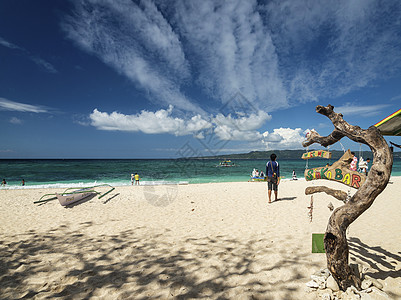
(4, 182)
(256, 174)
(363, 165)
(135, 178)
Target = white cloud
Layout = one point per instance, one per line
(360, 110)
(16, 121)
(7, 44)
(6, 104)
(223, 48)
(337, 47)
(44, 64)
(138, 42)
(395, 98)
(80, 119)
(242, 128)
(251, 122)
(233, 49)
(148, 122)
(271, 137)
(278, 139)
(224, 127)
(283, 138)
(37, 60)
(216, 128)
(279, 54)
(226, 133)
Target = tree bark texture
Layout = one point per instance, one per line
(340, 195)
(335, 239)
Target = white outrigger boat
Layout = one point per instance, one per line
(72, 195)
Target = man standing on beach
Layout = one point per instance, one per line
(273, 176)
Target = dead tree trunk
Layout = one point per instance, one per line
(335, 240)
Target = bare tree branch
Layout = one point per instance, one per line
(340, 195)
(314, 137)
(335, 239)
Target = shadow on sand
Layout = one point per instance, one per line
(138, 264)
(383, 263)
(284, 199)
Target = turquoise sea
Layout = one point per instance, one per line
(39, 173)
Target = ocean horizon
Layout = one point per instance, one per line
(64, 173)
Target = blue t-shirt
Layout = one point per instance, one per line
(269, 170)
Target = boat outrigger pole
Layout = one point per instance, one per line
(78, 193)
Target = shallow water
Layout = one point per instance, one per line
(85, 172)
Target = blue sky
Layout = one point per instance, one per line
(163, 79)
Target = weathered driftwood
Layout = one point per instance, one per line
(338, 171)
(335, 239)
(340, 195)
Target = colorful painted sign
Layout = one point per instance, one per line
(316, 153)
(339, 174)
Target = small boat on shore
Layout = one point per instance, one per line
(66, 198)
(258, 178)
(73, 195)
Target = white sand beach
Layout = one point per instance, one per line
(210, 241)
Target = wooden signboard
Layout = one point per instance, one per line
(316, 153)
(339, 172)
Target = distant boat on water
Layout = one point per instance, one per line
(226, 163)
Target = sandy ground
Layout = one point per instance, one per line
(211, 241)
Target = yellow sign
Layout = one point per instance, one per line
(316, 153)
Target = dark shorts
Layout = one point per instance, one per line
(272, 184)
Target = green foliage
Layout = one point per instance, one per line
(282, 154)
